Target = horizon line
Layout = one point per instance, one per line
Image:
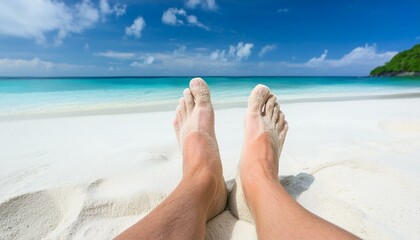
(190, 76)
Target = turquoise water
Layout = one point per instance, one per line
(46, 95)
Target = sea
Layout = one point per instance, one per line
(43, 96)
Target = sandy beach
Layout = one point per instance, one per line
(104, 122)
(354, 163)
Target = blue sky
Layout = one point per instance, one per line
(203, 37)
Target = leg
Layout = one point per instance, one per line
(276, 214)
(201, 194)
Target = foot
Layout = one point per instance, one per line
(194, 126)
(265, 131)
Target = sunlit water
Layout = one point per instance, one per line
(50, 95)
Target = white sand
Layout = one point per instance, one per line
(355, 163)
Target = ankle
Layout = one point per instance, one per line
(258, 171)
(258, 183)
(202, 182)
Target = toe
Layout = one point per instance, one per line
(183, 108)
(276, 113)
(200, 91)
(258, 98)
(189, 101)
(280, 121)
(281, 118)
(269, 106)
(178, 118)
(176, 125)
(283, 132)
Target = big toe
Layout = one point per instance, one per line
(258, 98)
(200, 91)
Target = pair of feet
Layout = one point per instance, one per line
(201, 194)
(265, 131)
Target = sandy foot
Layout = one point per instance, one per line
(265, 132)
(194, 126)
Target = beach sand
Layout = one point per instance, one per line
(354, 163)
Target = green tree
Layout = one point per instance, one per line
(405, 61)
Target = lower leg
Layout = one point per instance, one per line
(188, 205)
(279, 216)
(276, 214)
(201, 194)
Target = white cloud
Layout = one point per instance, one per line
(315, 61)
(170, 17)
(180, 50)
(135, 29)
(282, 10)
(145, 61)
(192, 62)
(360, 56)
(194, 21)
(205, 4)
(119, 9)
(116, 55)
(218, 55)
(243, 51)
(357, 62)
(105, 9)
(239, 52)
(149, 60)
(23, 64)
(266, 49)
(230, 61)
(39, 67)
(35, 18)
(175, 62)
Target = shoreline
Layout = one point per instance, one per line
(170, 107)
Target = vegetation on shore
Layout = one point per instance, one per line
(405, 63)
